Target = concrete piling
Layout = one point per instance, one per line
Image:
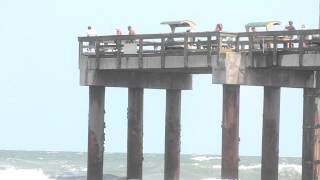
(135, 133)
(270, 134)
(230, 132)
(96, 133)
(172, 135)
(310, 142)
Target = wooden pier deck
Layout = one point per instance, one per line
(167, 61)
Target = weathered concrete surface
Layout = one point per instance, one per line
(96, 133)
(151, 80)
(132, 63)
(308, 60)
(172, 135)
(235, 72)
(135, 133)
(230, 132)
(282, 60)
(311, 139)
(270, 133)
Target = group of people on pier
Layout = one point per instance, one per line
(92, 32)
(218, 28)
(287, 40)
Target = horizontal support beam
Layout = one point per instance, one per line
(269, 77)
(233, 70)
(150, 80)
(199, 63)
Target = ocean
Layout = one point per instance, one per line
(49, 165)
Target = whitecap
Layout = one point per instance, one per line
(83, 169)
(216, 167)
(20, 174)
(256, 166)
(295, 167)
(205, 158)
(195, 164)
(52, 152)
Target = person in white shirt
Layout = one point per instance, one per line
(91, 32)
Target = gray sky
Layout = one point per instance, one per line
(43, 107)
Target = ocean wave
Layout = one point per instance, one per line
(21, 174)
(195, 164)
(286, 167)
(105, 177)
(256, 166)
(205, 158)
(216, 166)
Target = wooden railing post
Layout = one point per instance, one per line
(275, 50)
(218, 50)
(118, 45)
(301, 49)
(163, 49)
(185, 51)
(140, 53)
(251, 46)
(97, 49)
(237, 48)
(209, 50)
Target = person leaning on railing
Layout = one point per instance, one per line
(131, 32)
(91, 32)
(257, 41)
(288, 43)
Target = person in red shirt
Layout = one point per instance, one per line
(118, 32)
(218, 28)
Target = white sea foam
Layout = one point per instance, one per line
(22, 174)
(205, 158)
(52, 152)
(282, 167)
(286, 167)
(83, 169)
(256, 166)
(195, 164)
(211, 179)
(216, 167)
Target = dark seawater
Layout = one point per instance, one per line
(40, 165)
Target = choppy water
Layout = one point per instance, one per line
(33, 165)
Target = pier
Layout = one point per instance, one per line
(167, 61)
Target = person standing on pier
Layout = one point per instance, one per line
(91, 32)
(290, 27)
(131, 31)
(118, 32)
(218, 28)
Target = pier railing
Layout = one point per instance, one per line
(200, 43)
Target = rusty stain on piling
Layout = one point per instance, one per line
(172, 135)
(270, 133)
(135, 133)
(96, 133)
(230, 132)
(317, 140)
